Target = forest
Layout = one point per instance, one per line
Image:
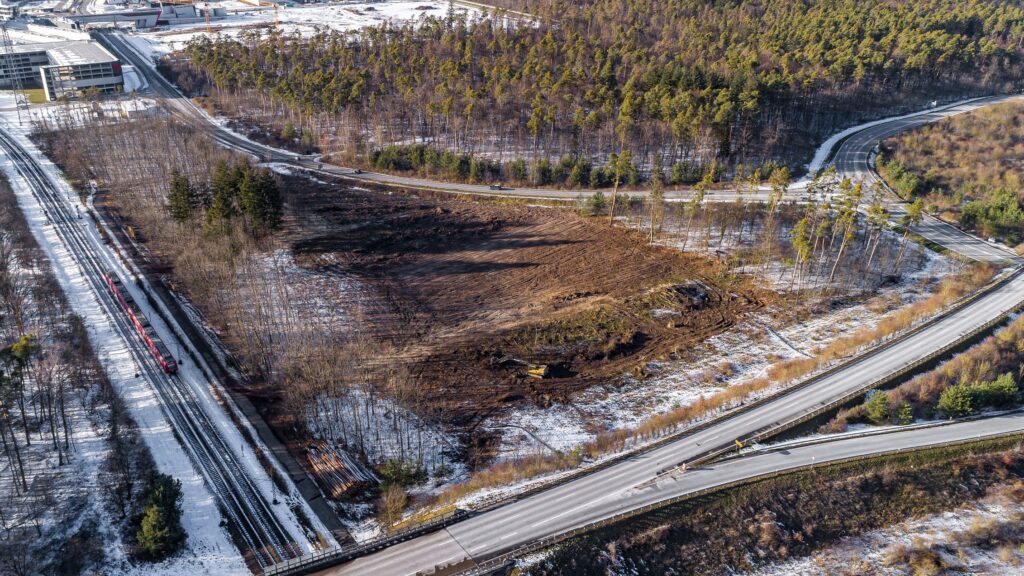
(480, 98)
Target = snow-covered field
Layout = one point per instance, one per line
(305, 19)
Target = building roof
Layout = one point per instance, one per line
(30, 48)
(66, 53)
(71, 53)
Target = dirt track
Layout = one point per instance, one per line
(459, 285)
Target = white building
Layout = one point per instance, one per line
(8, 11)
(62, 69)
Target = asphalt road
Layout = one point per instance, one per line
(490, 534)
(613, 490)
(851, 161)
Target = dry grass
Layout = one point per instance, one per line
(513, 471)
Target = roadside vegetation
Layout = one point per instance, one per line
(986, 376)
(73, 472)
(569, 98)
(980, 538)
(787, 517)
(966, 169)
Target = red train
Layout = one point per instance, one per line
(156, 346)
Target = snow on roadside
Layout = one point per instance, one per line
(209, 546)
(822, 154)
(868, 553)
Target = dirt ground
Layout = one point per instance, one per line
(465, 292)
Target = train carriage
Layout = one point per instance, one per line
(145, 330)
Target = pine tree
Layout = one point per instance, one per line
(956, 401)
(180, 199)
(225, 191)
(160, 533)
(260, 199)
(877, 407)
(657, 196)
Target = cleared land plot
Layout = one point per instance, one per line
(465, 292)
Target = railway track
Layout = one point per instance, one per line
(252, 521)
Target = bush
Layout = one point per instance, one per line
(961, 399)
(1000, 215)
(956, 401)
(877, 407)
(402, 472)
(999, 393)
(391, 504)
(906, 184)
(904, 414)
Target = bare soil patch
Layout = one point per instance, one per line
(465, 292)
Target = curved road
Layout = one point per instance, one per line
(638, 481)
(851, 160)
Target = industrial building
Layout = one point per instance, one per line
(8, 11)
(141, 18)
(62, 69)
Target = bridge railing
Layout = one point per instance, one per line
(306, 563)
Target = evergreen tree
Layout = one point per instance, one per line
(260, 199)
(657, 196)
(180, 199)
(878, 407)
(160, 533)
(224, 191)
(956, 401)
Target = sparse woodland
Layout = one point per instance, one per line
(187, 198)
(840, 239)
(478, 98)
(52, 390)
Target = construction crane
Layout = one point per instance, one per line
(20, 96)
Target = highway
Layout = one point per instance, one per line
(486, 537)
(258, 530)
(613, 490)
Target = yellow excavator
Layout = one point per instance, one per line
(532, 370)
(537, 370)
